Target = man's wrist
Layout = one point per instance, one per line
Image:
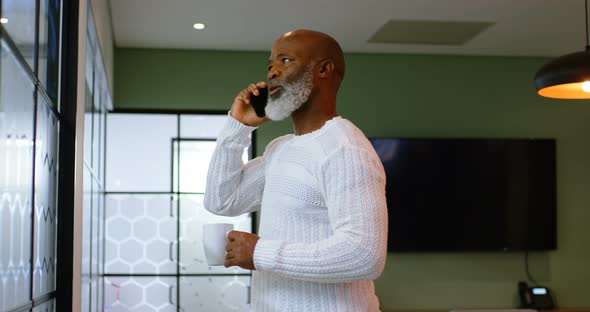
(236, 131)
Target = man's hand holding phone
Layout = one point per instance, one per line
(243, 108)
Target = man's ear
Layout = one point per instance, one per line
(326, 68)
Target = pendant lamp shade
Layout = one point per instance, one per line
(567, 77)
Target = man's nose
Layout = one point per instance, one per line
(273, 73)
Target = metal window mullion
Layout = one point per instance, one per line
(104, 203)
(177, 212)
(173, 275)
(68, 92)
(32, 230)
(35, 116)
(37, 35)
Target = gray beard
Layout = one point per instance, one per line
(290, 97)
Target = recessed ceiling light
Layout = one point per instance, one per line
(3, 20)
(199, 26)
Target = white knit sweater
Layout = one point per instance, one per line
(323, 222)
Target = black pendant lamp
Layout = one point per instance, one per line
(567, 77)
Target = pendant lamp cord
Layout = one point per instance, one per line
(586, 11)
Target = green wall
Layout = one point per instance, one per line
(415, 96)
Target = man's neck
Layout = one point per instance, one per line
(313, 115)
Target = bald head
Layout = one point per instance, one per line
(320, 47)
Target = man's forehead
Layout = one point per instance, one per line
(288, 45)
(287, 42)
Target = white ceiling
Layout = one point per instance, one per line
(522, 27)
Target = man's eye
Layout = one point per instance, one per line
(286, 60)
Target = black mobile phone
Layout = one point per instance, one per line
(259, 102)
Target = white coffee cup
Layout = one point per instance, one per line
(215, 240)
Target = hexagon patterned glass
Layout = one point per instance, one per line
(155, 184)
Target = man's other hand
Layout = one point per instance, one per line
(240, 250)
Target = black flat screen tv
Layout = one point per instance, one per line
(470, 194)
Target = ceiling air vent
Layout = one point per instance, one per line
(428, 32)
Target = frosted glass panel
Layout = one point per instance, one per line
(88, 126)
(96, 146)
(101, 231)
(89, 72)
(195, 157)
(139, 148)
(94, 259)
(140, 234)
(201, 126)
(100, 297)
(192, 217)
(145, 153)
(48, 306)
(94, 293)
(85, 294)
(16, 159)
(101, 162)
(141, 294)
(215, 293)
(46, 172)
(86, 221)
(20, 25)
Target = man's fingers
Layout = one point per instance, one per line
(253, 89)
(230, 262)
(245, 96)
(229, 255)
(240, 97)
(231, 236)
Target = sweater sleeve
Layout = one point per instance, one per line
(232, 187)
(353, 181)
